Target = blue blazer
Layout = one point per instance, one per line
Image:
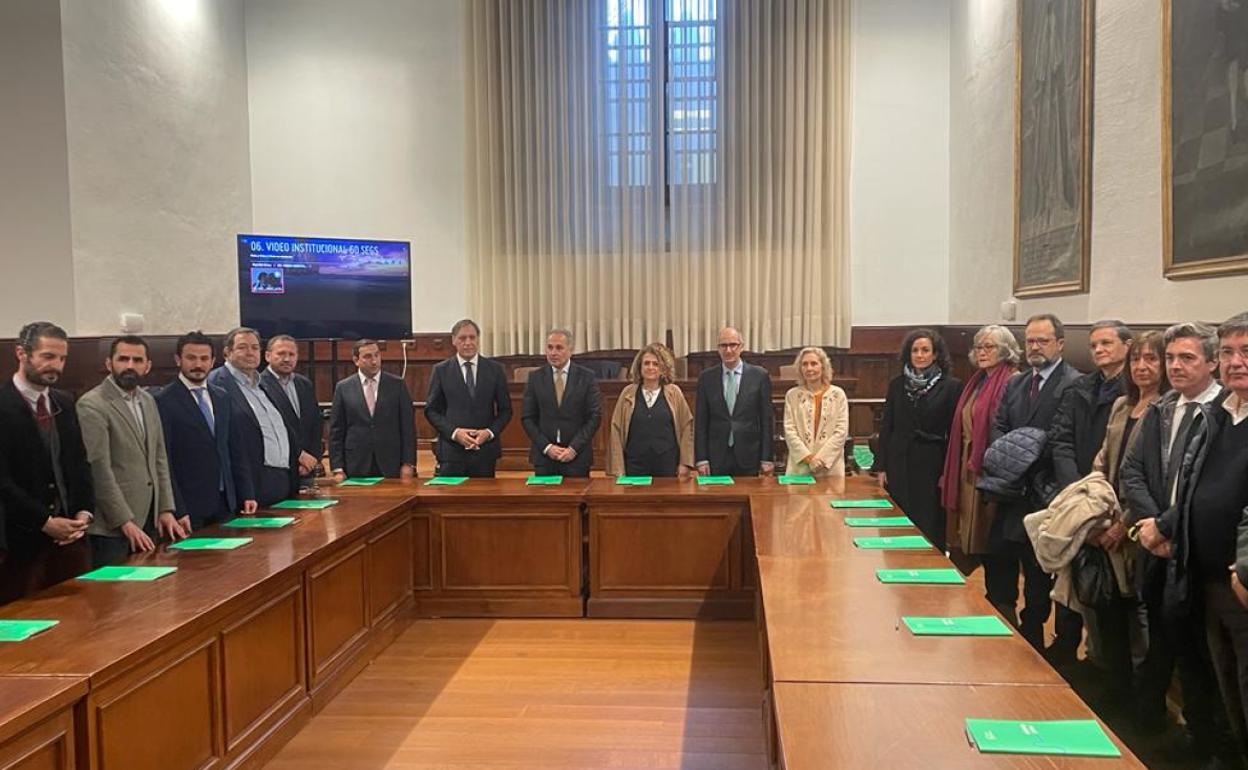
(201, 464)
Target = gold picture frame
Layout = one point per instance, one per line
(1054, 261)
(1184, 266)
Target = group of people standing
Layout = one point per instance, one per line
(1136, 472)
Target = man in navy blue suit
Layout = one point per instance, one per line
(469, 407)
(207, 462)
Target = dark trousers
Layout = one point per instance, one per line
(274, 485)
(35, 562)
(1113, 626)
(1001, 568)
(108, 550)
(659, 465)
(730, 467)
(474, 465)
(223, 514)
(1226, 624)
(1068, 625)
(1180, 644)
(578, 468)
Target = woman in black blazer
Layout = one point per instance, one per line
(915, 431)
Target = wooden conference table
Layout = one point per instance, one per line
(218, 664)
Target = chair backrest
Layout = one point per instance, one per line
(788, 371)
(521, 373)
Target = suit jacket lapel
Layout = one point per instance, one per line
(118, 403)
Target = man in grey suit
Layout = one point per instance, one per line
(733, 420)
(126, 448)
(371, 429)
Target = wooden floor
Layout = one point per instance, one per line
(547, 694)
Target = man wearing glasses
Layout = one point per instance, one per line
(1031, 400)
(733, 418)
(45, 479)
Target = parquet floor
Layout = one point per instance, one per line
(547, 694)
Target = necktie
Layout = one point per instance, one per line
(470, 380)
(1036, 382)
(559, 387)
(202, 399)
(1179, 446)
(42, 416)
(730, 396)
(370, 394)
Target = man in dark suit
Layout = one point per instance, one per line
(469, 407)
(208, 465)
(561, 411)
(295, 398)
(46, 488)
(1030, 400)
(371, 432)
(270, 446)
(733, 414)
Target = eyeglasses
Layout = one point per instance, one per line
(984, 347)
(729, 345)
(1229, 354)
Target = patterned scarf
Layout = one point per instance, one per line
(919, 383)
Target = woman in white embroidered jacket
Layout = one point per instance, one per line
(816, 418)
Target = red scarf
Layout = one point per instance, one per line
(982, 416)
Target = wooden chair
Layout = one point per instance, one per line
(521, 373)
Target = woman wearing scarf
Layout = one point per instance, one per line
(995, 354)
(915, 431)
(816, 419)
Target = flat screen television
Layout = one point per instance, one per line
(325, 287)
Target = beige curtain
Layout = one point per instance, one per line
(639, 166)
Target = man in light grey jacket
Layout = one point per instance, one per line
(126, 447)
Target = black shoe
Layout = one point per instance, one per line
(1061, 655)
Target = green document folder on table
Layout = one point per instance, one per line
(363, 482)
(705, 480)
(21, 630)
(314, 504)
(902, 542)
(209, 544)
(966, 625)
(796, 479)
(1075, 737)
(878, 521)
(634, 481)
(872, 503)
(863, 456)
(937, 576)
(446, 481)
(259, 522)
(552, 481)
(128, 574)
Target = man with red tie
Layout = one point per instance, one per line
(45, 479)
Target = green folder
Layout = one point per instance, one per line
(863, 456)
(704, 480)
(635, 481)
(544, 480)
(1074, 737)
(786, 479)
(938, 576)
(21, 630)
(209, 543)
(903, 542)
(314, 504)
(259, 522)
(874, 503)
(128, 574)
(364, 482)
(446, 481)
(878, 521)
(966, 625)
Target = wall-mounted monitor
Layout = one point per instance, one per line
(325, 287)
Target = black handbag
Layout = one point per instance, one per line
(1092, 575)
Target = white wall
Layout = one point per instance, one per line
(1126, 279)
(357, 130)
(899, 186)
(156, 108)
(35, 256)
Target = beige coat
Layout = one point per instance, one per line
(623, 416)
(129, 466)
(826, 440)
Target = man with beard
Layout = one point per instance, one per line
(295, 397)
(210, 471)
(126, 447)
(46, 492)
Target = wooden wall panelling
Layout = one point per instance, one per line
(390, 563)
(37, 722)
(337, 607)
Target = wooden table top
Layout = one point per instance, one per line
(742, 488)
(919, 726)
(27, 700)
(106, 625)
(809, 526)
